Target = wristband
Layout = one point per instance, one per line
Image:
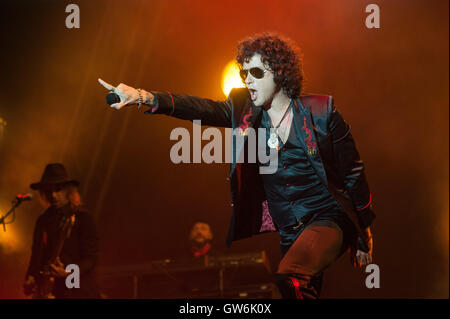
(139, 98)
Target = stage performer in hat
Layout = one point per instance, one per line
(65, 234)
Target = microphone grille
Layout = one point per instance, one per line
(112, 98)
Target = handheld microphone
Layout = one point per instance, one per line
(24, 197)
(112, 98)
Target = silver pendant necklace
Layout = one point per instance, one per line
(273, 140)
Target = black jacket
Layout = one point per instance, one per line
(81, 248)
(337, 161)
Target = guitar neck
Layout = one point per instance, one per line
(64, 233)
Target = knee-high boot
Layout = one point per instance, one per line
(299, 286)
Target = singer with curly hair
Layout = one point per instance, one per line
(318, 198)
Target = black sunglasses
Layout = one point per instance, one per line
(257, 73)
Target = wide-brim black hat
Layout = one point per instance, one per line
(54, 174)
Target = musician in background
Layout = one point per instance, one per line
(60, 196)
(200, 237)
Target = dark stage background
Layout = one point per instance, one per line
(390, 83)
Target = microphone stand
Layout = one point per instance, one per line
(15, 203)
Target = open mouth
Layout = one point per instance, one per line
(253, 94)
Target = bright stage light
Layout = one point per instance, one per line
(9, 240)
(231, 78)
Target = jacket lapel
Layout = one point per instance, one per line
(249, 119)
(305, 129)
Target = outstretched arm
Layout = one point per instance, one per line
(213, 113)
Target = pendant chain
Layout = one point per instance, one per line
(284, 115)
(273, 140)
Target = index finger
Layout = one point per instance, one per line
(106, 85)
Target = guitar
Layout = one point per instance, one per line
(46, 280)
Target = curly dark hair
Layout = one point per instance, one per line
(280, 54)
